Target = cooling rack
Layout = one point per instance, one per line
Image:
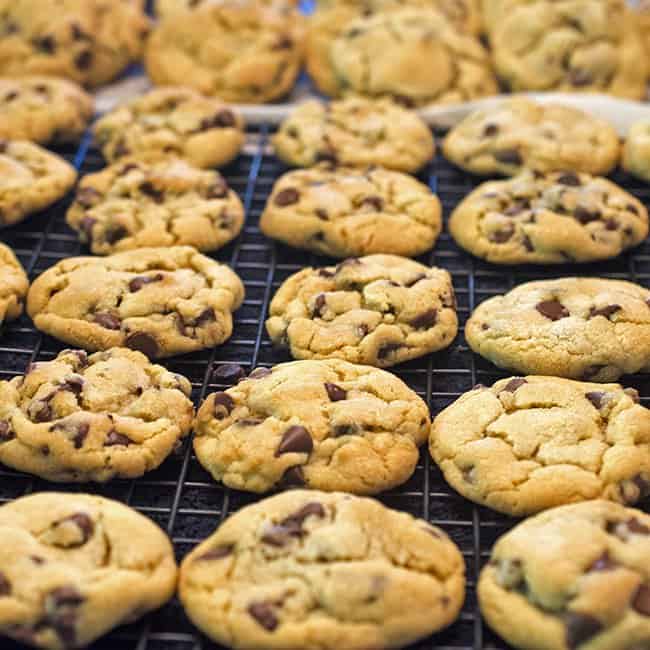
(180, 496)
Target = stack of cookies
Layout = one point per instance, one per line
(322, 564)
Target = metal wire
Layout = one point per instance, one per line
(180, 495)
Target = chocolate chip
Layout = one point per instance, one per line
(138, 282)
(578, 77)
(217, 190)
(249, 422)
(375, 202)
(6, 433)
(325, 273)
(45, 44)
(114, 439)
(335, 393)
(37, 559)
(630, 207)
(84, 523)
(528, 245)
(43, 412)
(413, 281)
(490, 130)
(260, 373)
(84, 59)
(321, 213)
(264, 615)
(60, 607)
(286, 197)
(142, 342)
(291, 526)
(283, 43)
(10, 96)
(222, 120)
(295, 439)
(77, 430)
(502, 236)
(508, 157)
(5, 585)
(223, 405)
(319, 304)
(87, 197)
(603, 563)
(552, 309)
(387, 349)
(327, 157)
(568, 178)
(228, 373)
(635, 526)
(584, 215)
(580, 628)
(514, 384)
(345, 430)
(107, 320)
(218, 552)
(596, 398)
(151, 191)
(425, 320)
(606, 311)
(350, 261)
(641, 600)
(293, 477)
(115, 233)
(516, 209)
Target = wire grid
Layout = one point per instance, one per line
(180, 495)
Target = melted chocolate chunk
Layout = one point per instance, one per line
(87, 197)
(296, 439)
(641, 601)
(584, 215)
(580, 628)
(281, 534)
(425, 320)
(142, 342)
(286, 197)
(6, 433)
(217, 553)
(490, 130)
(223, 405)
(140, 281)
(5, 585)
(374, 202)
(606, 311)
(262, 612)
(293, 477)
(603, 563)
(259, 373)
(552, 309)
(228, 373)
(114, 439)
(514, 384)
(568, 178)
(319, 304)
(387, 349)
(335, 393)
(596, 398)
(508, 157)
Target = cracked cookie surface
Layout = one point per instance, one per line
(356, 132)
(636, 150)
(80, 418)
(243, 51)
(332, 18)
(520, 133)
(530, 443)
(306, 570)
(551, 218)
(160, 301)
(172, 122)
(581, 328)
(572, 578)
(31, 179)
(87, 41)
(377, 310)
(134, 204)
(564, 45)
(74, 566)
(382, 56)
(13, 285)
(43, 110)
(343, 211)
(329, 425)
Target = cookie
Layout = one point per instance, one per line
(13, 285)
(135, 204)
(382, 56)
(31, 179)
(43, 110)
(548, 218)
(240, 51)
(564, 45)
(160, 301)
(343, 211)
(332, 18)
(572, 578)
(520, 133)
(581, 328)
(642, 17)
(377, 310)
(531, 443)
(171, 8)
(172, 122)
(329, 425)
(357, 132)
(87, 41)
(74, 566)
(636, 151)
(80, 418)
(307, 570)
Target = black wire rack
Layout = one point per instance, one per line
(180, 496)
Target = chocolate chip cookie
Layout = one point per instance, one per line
(134, 204)
(307, 570)
(344, 211)
(382, 55)
(581, 328)
(87, 41)
(31, 179)
(378, 310)
(530, 443)
(81, 418)
(520, 133)
(549, 218)
(572, 578)
(74, 566)
(563, 45)
(241, 51)
(43, 110)
(636, 151)
(329, 425)
(333, 17)
(13, 285)
(160, 301)
(172, 121)
(356, 132)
